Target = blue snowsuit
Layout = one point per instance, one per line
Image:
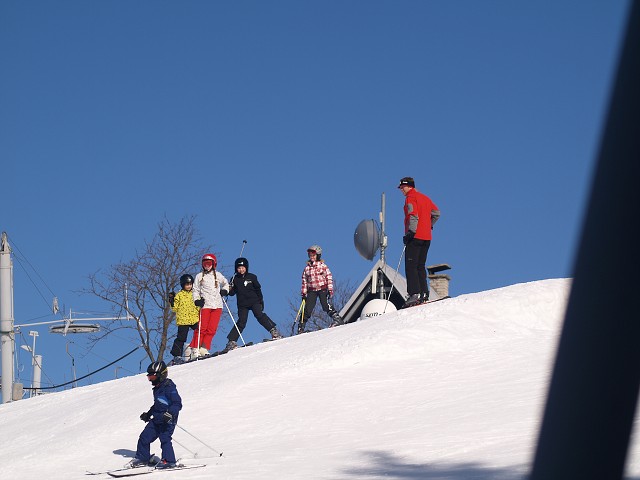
(165, 399)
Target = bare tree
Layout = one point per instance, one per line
(138, 288)
(342, 291)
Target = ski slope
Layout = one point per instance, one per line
(449, 390)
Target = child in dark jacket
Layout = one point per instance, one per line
(161, 418)
(246, 286)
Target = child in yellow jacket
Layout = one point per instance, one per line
(187, 316)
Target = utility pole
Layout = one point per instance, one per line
(383, 245)
(35, 362)
(6, 318)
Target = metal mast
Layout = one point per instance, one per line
(6, 318)
(383, 245)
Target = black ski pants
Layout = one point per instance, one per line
(415, 266)
(310, 303)
(243, 316)
(181, 338)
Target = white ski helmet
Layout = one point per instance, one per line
(315, 248)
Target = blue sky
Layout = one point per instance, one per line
(282, 123)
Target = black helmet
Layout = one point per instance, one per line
(184, 279)
(157, 372)
(242, 262)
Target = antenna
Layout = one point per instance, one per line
(368, 238)
(383, 236)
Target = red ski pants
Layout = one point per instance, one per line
(209, 320)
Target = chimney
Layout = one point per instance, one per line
(439, 282)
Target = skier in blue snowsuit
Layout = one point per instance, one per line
(161, 418)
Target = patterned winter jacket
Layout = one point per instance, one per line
(165, 399)
(186, 311)
(316, 276)
(208, 286)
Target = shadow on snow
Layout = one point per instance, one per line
(386, 465)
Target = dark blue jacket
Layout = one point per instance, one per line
(247, 288)
(165, 399)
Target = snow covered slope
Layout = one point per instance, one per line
(452, 390)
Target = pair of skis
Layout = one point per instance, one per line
(205, 357)
(144, 470)
(219, 352)
(425, 303)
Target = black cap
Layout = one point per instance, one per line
(408, 181)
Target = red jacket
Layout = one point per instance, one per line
(420, 214)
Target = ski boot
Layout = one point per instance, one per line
(414, 299)
(275, 334)
(177, 360)
(301, 326)
(164, 465)
(231, 345)
(136, 462)
(337, 320)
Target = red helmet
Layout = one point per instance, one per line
(212, 257)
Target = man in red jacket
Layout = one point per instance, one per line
(420, 215)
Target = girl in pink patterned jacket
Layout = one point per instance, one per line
(317, 283)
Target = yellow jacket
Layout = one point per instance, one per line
(186, 311)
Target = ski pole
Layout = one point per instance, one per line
(234, 322)
(244, 242)
(195, 454)
(300, 311)
(199, 328)
(210, 448)
(199, 316)
(394, 279)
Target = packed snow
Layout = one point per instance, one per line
(448, 390)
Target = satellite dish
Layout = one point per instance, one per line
(367, 238)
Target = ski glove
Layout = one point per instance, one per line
(167, 417)
(145, 417)
(304, 295)
(199, 302)
(171, 297)
(408, 237)
(223, 292)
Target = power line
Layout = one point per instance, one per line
(87, 375)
